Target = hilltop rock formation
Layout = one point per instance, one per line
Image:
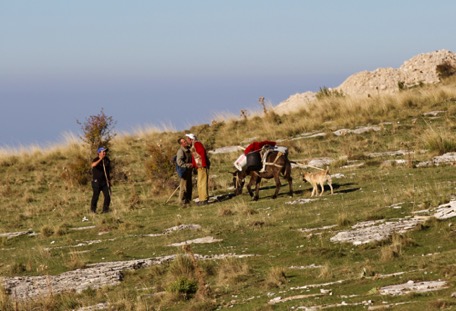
(420, 69)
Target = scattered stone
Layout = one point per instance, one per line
(305, 230)
(353, 165)
(312, 266)
(446, 211)
(318, 285)
(320, 162)
(10, 235)
(275, 300)
(100, 306)
(393, 163)
(412, 287)
(360, 130)
(82, 228)
(309, 135)
(433, 113)
(374, 231)
(182, 227)
(204, 240)
(388, 306)
(300, 201)
(396, 206)
(445, 159)
(397, 153)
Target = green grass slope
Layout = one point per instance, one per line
(266, 255)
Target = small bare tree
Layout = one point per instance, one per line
(97, 130)
(244, 114)
(262, 104)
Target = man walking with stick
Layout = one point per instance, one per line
(101, 182)
(184, 168)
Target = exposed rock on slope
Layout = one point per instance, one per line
(294, 102)
(420, 69)
(417, 70)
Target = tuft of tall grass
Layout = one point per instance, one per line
(75, 261)
(232, 271)
(439, 142)
(276, 277)
(47, 231)
(181, 266)
(343, 220)
(394, 250)
(326, 271)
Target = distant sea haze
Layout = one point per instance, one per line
(39, 111)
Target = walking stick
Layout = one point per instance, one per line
(106, 176)
(172, 194)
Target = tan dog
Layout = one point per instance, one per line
(318, 178)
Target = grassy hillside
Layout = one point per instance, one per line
(278, 255)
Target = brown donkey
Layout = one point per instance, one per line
(276, 164)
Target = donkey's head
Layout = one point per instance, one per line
(238, 181)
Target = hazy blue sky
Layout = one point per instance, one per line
(180, 63)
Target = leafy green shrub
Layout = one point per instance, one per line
(183, 287)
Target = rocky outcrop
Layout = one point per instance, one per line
(420, 69)
(93, 276)
(295, 102)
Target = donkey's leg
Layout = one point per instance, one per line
(277, 181)
(290, 184)
(257, 189)
(249, 186)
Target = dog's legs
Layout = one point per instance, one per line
(322, 188)
(314, 189)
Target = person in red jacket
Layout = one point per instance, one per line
(201, 163)
(257, 145)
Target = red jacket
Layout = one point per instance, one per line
(257, 145)
(200, 151)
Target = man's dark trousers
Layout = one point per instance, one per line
(97, 188)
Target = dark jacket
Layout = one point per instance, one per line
(98, 171)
